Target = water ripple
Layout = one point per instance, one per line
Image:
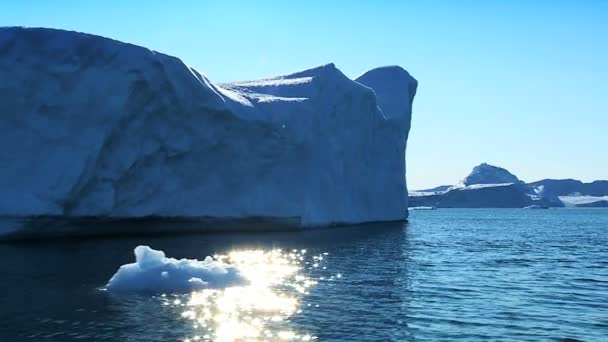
(471, 275)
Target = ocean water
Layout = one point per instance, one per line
(449, 274)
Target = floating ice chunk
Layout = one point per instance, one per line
(153, 272)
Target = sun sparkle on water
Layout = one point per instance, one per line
(258, 311)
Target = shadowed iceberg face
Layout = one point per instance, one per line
(395, 90)
(96, 127)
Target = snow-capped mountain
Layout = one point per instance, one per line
(486, 186)
(574, 193)
(494, 187)
(488, 174)
(566, 187)
(96, 127)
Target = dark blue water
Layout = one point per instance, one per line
(468, 274)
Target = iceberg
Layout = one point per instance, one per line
(153, 272)
(94, 127)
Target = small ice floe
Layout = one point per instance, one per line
(153, 272)
(421, 208)
(536, 206)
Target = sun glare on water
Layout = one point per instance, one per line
(258, 311)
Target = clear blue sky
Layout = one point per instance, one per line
(519, 84)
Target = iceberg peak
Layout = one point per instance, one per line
(395, 89)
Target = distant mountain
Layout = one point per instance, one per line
(489, 186)
(436, 189)
(488, 174)
(506, 195)
(566, 187)
(486, 186)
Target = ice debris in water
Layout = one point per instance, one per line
(153, 272)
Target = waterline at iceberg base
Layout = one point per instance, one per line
(96, 128)
(61, 227)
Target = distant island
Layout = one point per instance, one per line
(489, 186)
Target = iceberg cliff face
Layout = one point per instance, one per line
(96, 127)
(390, 83)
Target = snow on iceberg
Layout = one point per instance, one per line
(153, 272)
(93, 127)
(581, 200)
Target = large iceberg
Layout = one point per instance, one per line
(95, 127)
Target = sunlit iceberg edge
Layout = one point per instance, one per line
(45, 227)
